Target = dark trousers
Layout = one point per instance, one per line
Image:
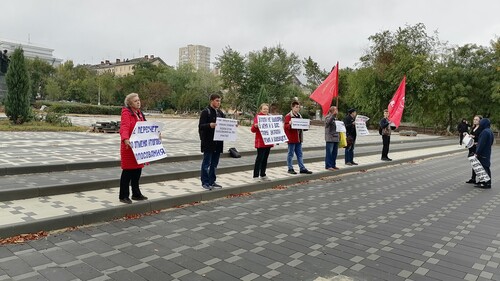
(349, 154)
(461, 135)
(386, 140)
(209, 167)
(130, 177)
(260, 166)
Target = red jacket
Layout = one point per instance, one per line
(127, 125)
(259, 142)
(293, 135)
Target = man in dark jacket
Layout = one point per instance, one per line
(211, 149)
(386, 135)
(483, 149)
(350, 127)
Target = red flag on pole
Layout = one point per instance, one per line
(329, 89)
(397, 104)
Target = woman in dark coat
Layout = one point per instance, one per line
(131, 170)
(474, 132)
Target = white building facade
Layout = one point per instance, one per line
(31, 51)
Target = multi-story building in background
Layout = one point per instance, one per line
(31, 51)
(196, 55)
(125, 67)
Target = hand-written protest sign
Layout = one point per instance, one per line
(361, 129)
(468, 141)
(340, 126)
(299, 123)
(272, 129)
(146, 143)
(225, 130)
(479, 169)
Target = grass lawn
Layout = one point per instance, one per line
(37, 126)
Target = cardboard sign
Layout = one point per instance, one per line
(468, 141)
(479, 169)
(361, 129)
(225, 130)
(146, 143)
(272, 129)
(340, 126)
(299, 123)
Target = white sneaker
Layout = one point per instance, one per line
(256, 179)
(265, 178)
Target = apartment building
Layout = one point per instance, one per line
(125, 67)
(196, 55)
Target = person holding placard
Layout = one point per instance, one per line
(131, 170)
(350, 126)
(294, 140)
(211, 149)
(263, 150)
(483, 150)
(474, 133)
(332, 139)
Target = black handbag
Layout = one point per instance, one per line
(234, 153)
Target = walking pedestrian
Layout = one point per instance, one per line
(463, 127)
(331, 139)
(211, 149)
(385, 126)
(483, 150)
(263, 150)
(350, 126)
(474, 133)
(131, 170)
(295, 138)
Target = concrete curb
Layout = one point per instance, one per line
(35, 169)
(25, 193)
(144, 207)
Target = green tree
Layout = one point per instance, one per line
(39, 72)
(17, 102)
(408, 51)
(232, 66)
(313, 73)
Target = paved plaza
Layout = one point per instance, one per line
(180, 137)
(410, 219)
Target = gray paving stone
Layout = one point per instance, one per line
(57, 274)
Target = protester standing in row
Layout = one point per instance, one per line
(474, 133)
(295, 139)
(131, 170)
(462, 128)
(385, 126)
(211, 149)
(483, 150)
(350, 126)
(331, 139)
(263, 150)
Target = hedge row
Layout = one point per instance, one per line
(79, 108)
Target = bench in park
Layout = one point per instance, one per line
(106, 127)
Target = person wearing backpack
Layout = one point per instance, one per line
(385, 131)
(263, 150)
(211, 149)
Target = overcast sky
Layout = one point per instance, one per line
(88, 31)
